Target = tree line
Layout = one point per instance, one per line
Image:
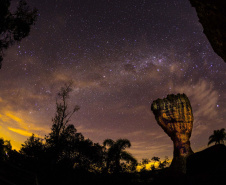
(65, 150)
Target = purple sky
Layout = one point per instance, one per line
(121, 55)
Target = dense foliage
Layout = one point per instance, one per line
(14, 26)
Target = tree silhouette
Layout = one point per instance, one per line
(89, 156)
(116, 152)
(217, 137)
(5, 149)
(32, 147)
(143, 164)
(65, 147)
(62, 133)
(32, 153)
(164, 163)
(14, 26)
(155, 159)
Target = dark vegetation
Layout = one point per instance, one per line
(217, 137)
(14, 26)
(65, 156)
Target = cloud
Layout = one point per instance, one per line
(143, 150)
(20, 122)
(14, 121)
(204, 99)
(20, 131)
(144, 133)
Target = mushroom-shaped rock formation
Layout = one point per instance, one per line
(174, 115)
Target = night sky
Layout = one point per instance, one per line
(121, 55)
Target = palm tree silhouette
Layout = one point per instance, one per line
(116, 152)
(218, 137)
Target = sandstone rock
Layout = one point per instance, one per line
(212, 16)
(174, 115)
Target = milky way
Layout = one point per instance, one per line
(121, 55)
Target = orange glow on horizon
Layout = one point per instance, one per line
(148, 166)
(21, 132)
(17, 126)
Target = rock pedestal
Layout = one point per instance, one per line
(174, 115)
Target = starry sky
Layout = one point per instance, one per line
(121, 55)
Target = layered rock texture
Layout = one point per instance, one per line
(174, 115)
(212, 16)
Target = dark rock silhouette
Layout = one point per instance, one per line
(174, 115)
(212, 16)
(208, 166)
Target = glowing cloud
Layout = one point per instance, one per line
(21, 132)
